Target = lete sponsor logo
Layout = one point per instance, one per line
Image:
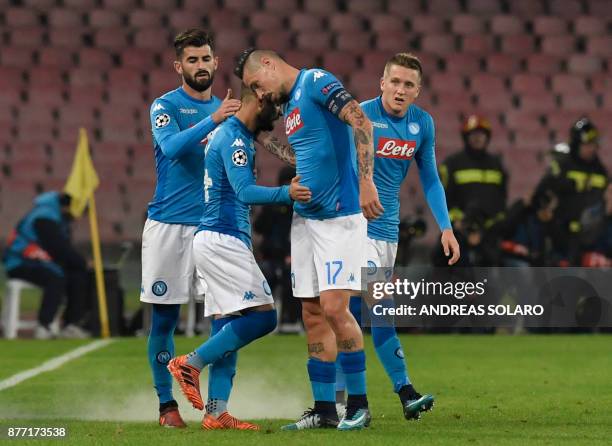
(395, 148)
(293, 122)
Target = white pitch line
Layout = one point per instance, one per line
(53, 363)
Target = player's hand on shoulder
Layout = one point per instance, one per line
(368, 199)
(228, 108)
(450, 245)
(297, 192)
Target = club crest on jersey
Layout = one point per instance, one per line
(395, 148)
(162, 120)
(293, 122)
(414, 128)
(239, 158)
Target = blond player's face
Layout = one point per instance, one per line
(400, 86)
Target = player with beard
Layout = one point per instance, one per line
(180, 121)
(238, 295)
(328, 233)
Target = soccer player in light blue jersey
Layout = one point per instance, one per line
(328, 233)
(402, 132)
(238, 294)
(180, 121)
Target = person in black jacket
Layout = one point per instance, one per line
(39, 251)
(580, 178)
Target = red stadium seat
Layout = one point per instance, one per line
(478, 43)
(587, 25)
(281, 6)
(565, 8)
(95, 58)
(77, 116)
(104, 18)
(607, 104)
(111, 38)
(520, 120)
(142, 18)
(11, 78)
(232, 41)
(86, 77)
(375, 60)
(583, 103)
(568, 84)
(441, 82)
(453, 100)
(444, 8)
(43, 134)
(484, 83)
(538, 102)
(62, 18)
(484, 7)
(544, 63)
(495, 101)
(499, 63)
(560, 121)
(353, 42)
(46, 96)
(266, 21)
(16, 17)
(530, 140)
(123, 78)
(558, 45)
(519, 44)
(53, 77)
(55, 57)
(600, 45)
(426, 24)
(130, 97)
(320, 7)
(584, 64)
(599, 8)
(161, 81)
(160, 5)
(27, 36)
(199, 6)
(79, 5)
(385, 22)
(438, 43)
(526, 8)
(365, 7)
(303, 22)
(245, 7)
(182, 19)
(404, 8)
(363, 87)
(67, 37)
(10, 97)
(39, 5)
(601, 83)
(464, 24)
(527, 83)
(310, 40)
(550, 26)
(138, 58)
(151, 38)
(346, 23)
(462, 63)
(341, 63)
(279, 40)
(85, 95)
(507, 25)
(392, 41)
(17, 57)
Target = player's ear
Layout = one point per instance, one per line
(178, 67)
(382, 83)
(216, 62)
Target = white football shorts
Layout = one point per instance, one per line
(327, 254)
(380, 259)
(168, 271)
(233, 278)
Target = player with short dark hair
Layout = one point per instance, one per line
(238, 294)
(328, 234)
(402, 132)
(180, 121)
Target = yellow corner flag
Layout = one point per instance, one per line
(82, 182)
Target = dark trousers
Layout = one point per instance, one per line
(73, 285)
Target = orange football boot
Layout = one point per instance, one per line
(170, 417)
(227, 421)
(188, 378)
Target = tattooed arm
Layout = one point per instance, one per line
(354, 116)
(272, 144)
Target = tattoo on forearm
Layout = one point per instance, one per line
(284, 152)
(347, 344)
(363, 143)
(315, 348)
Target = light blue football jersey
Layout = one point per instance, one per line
(229, 182)
(397, 141)
(179, 125)
(324, 150)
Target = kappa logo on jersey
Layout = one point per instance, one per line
(158, 107)
(239, 158)
(395, 148)
(162, 120)
(293, 122)
(238, 143)
(318, 75)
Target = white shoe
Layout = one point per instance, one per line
(341, 409)
(72, 331)
(42, 332)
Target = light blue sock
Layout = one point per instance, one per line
(220, 374)
(388, 348)
(160, 347)
(322, 376)
(354, 368)
(233, 336)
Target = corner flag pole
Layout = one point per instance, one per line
(99, 272)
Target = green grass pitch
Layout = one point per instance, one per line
(501, 390)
